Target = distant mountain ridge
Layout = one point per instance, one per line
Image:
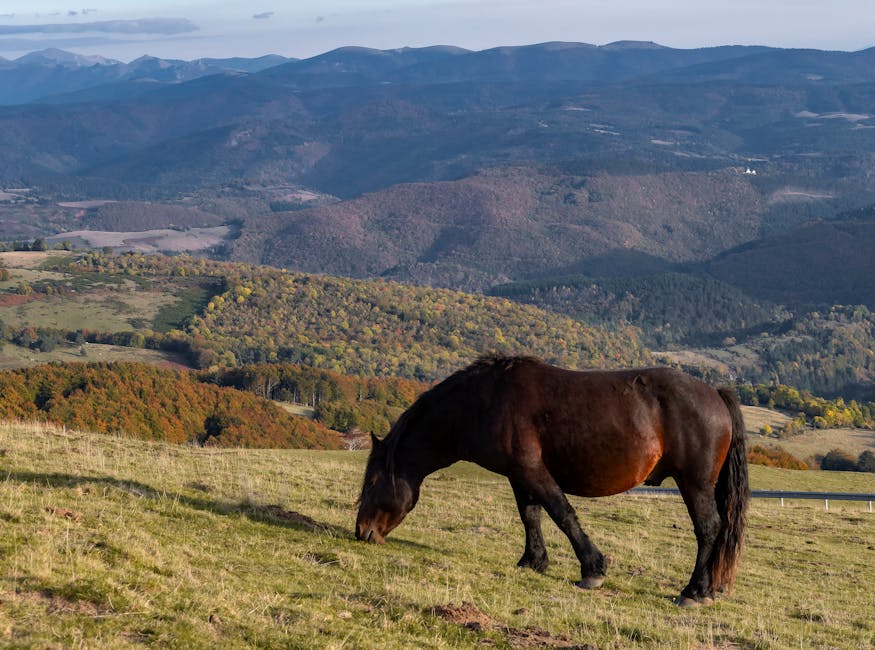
(51, 72)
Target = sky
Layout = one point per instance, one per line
(189, 29)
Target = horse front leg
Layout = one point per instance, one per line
(544, 489)
(535, 554)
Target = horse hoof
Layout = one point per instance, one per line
(540, 565)
(686, 601)
(592, 582)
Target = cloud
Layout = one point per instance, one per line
(263, 15)
(165, 26)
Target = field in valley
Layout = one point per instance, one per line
(110, 542)
(14, 356)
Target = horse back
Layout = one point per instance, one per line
(603, 432)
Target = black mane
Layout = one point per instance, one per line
(484, 365)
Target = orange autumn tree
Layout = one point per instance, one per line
(156, 404)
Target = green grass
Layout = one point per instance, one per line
(109, 542)
(104, 302)
(189, 300)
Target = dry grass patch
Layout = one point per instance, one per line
(97, 310)
(756, 417)
(29, 259)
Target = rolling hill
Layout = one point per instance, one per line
(511, 223)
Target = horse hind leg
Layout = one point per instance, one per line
(535, 554)
(702, 506)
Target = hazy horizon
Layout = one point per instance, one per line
(190, 29)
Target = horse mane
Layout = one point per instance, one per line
(484, 365)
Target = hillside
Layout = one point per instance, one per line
(669, 307)
(831, 353)
(816, 264)
(59, 76)
(511, 223)
(206, 313)
(356, 120)
(116, 542)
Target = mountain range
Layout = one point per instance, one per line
(745, 170)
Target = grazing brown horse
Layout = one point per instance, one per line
(591, 433)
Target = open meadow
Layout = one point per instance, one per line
(111, 542)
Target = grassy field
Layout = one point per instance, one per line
(810, 443)
(14, 356)
(96, 310)
(820, 441)
(108, 542)
(96, 302)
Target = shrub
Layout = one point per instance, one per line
(774, 457)
(866, 462)
(838, 460)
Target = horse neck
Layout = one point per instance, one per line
(427, 447)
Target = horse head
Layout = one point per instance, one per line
(386, 496)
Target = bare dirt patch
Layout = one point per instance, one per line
(281, 514)
(84, 205)
(65, 513)
(16, 299)
(469, 616)
(57, 604)
(798, 195)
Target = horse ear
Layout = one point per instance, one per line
(375, 441)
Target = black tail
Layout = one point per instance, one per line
(733, 494)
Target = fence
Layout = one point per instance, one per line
(826, 497)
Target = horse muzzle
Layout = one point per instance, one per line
(367, 533)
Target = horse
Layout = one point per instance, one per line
(589, 433)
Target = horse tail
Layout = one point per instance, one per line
(733, 494)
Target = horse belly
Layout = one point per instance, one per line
(595, 470)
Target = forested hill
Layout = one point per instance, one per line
(366, 327)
